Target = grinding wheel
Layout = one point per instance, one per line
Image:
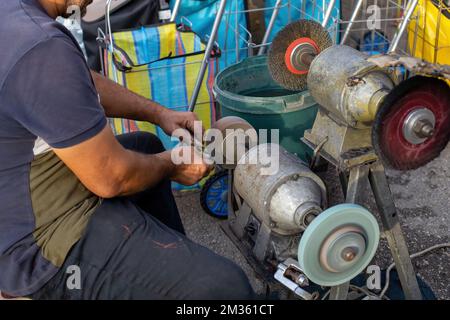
(232, 128)
(412, 126)
(338, 244)
(292, 51)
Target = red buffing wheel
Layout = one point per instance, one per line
(412, 126)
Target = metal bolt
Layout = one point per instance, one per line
(419, 125)
(424, 129)
(349, 254)
(302, 280)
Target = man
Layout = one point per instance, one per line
(75, 201)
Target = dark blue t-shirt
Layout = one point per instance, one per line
(47, 100)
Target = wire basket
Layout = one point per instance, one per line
(429, 34)
(377, 26)
(417, 28)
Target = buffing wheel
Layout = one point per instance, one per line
(292, 51)
(338, 244)
(412, 126)
(239, 134)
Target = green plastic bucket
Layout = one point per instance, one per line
(247, 90)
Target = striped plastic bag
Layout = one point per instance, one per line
(161, 63)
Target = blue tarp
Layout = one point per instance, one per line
(202, 14)
(314, 10)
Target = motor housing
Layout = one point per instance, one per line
(285, 201)
(347, 85)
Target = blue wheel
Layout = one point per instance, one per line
(214, 195)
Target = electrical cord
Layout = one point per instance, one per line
(367, 292)
(415, 255)
(388, 271)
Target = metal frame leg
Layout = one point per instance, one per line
(355, 189)
(359, 180)
(393, 231)
(176, 9)
(340, 292)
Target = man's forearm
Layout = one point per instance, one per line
(109, 170)
(120, 102)
(143, 171)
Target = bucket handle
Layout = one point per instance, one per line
(295, 104)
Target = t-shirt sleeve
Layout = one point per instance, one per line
(50, 92)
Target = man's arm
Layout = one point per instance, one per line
(63, 109)
(120, 102)
(109, 170)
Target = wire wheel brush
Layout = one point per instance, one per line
(293, 50)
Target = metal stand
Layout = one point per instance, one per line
(373, 175)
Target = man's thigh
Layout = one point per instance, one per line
(159, 200)
(128, 254)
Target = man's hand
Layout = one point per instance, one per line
(188, 174)
(170, 120)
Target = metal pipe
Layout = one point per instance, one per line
(327, 16)
(269, 29)
(108, 24)
(101, 37)
(438, 32)
(109, 34)
(237, 34)
(303, 9)
(313, 9)
(352, 20)
(176, 9)
(412, 4)
(207, 56)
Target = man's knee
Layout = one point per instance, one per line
(149, 143)
(140, 141)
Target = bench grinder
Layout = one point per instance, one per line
(280, 219)
(366, 114)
